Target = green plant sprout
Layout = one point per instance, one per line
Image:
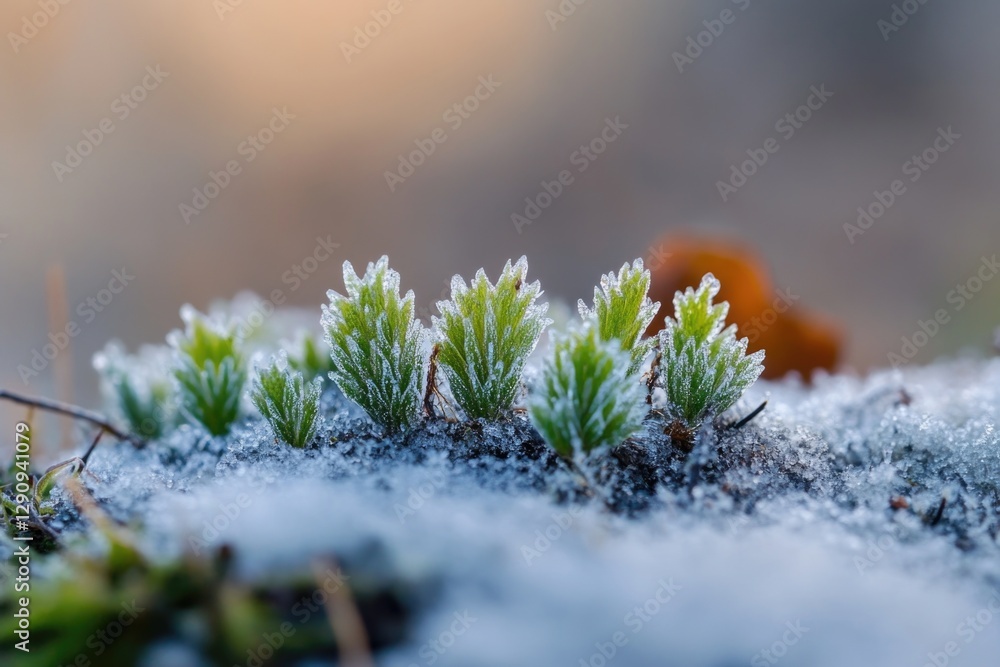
(622, 311)
(376, 345)
(138, 387)
(485, 334)
(586, 399)
(288, 403)
(210, 372)
(705, 369)
(309, 355)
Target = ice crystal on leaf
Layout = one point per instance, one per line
(586, 398)
(486, 333)
(705, 369)
(138, 387)
(288, 403)
(376, 345)
(622, 311)
(210, 371)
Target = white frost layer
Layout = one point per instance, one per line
(825, 577)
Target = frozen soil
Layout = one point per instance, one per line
(853, 522)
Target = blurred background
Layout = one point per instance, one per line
(202, 81)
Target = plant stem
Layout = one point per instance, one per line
(70, 411)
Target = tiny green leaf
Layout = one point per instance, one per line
(210, 372)
(486, 333)
(705, 369)
(622, 311)
(288, 403)
(376, 345)
(586, 398)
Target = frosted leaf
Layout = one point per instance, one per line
(486, 334)
(586, 399)
(376, 345)
(288, 403)
(622, 311)
(705, 369)
(138, 387)
(209, 371)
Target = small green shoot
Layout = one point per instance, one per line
(210, 372)
(486, 333)
(138, 387)
(376, 345)
(705, 369)
(288, 403)
(310, 356)
(622, 311)
(586, 399)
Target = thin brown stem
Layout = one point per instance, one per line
(70, 411)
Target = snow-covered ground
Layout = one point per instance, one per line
(853, 522)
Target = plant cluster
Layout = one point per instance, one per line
(622, 311)
(376, 345)
(209, 370)
(705, 369)
(288, 403)
(486, 333)
(589, 394)
(588, 398)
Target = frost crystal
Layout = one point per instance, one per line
(288, 403)
(486, 333)
(376, 345)
(210, 371)
(137, 387)
(622, 311)
(586, 398)
(705, 369)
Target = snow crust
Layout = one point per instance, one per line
(857, 517)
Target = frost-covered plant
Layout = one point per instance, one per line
(138, 387)
(376, 345)
(288, 403)
(586, 398)
(210, 371)
(705, 369)
(486, 333)
(310, 356)
(622, 311)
